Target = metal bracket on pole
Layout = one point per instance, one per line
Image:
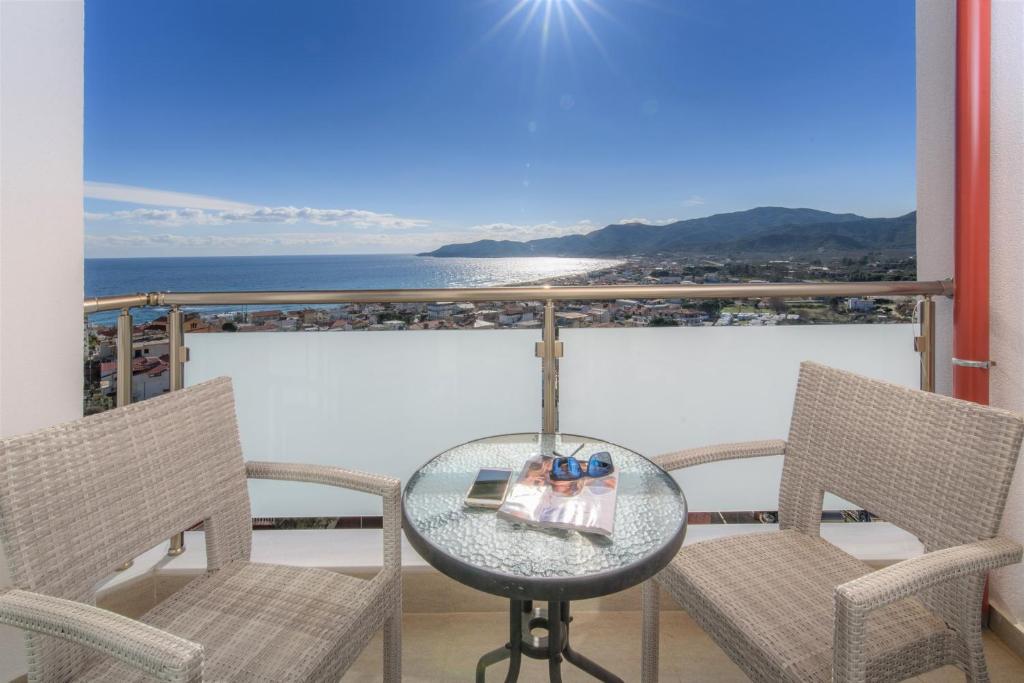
(538, 349)
(925, 344)
(979, 364)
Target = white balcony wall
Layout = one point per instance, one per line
(663, 389)
(383, 402)
(388, 401)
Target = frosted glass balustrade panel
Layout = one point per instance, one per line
(382, 402)
(657, 390)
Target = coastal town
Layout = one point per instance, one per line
(150, 364)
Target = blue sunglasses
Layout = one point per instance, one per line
(570, 469)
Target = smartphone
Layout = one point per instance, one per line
(488, 491)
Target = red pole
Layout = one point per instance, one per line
(971, 270)
(971, 239)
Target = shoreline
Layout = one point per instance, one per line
(106, 318)
(635, 270)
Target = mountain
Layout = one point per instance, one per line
(764, 230)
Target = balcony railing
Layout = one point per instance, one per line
(387, 402)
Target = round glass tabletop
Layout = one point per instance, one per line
(477, 547)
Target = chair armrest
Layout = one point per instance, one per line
(906, 578)
(723, 451)
(388, 488)
(148, 649)
(854, 600)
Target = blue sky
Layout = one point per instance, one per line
(343, 126)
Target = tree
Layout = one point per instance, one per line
(229, 327)
(711, 306)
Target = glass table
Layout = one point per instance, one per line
(524, 564)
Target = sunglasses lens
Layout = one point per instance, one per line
(565, 469)
(599, 464)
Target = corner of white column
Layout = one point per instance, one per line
(1007, 267)
(41, 232)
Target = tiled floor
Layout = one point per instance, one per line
(444, 647)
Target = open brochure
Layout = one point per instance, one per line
(586, 504)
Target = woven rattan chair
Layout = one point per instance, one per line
(789, 606)
(80, 499)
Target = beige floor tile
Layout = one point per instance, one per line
(443, 648)
(441, 644)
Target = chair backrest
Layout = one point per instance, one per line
(935, 466)
(79, 499)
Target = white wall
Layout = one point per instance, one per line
(936, 89)
(41, 83)
(1007, 280)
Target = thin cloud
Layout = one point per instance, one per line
(179, 208)
(235, 241)
(317, 242)
(259, 214)
(168, 242)
(131, 194)
(513, 231)
(694, 200)
(648, 221)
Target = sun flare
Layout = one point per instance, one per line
(569, 15)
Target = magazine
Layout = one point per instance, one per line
(586, 504)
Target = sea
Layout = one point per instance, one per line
(110, 276)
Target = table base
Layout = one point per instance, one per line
(554, 647)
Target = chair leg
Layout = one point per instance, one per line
(650, 617)
(393, 641)
(976, 670)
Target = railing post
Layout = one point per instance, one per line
(124, 357)
(549, 349)
(124, 372)
(178, 352)
(925, 344)
(178, 355)
(177, 546)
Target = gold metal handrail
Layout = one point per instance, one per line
(549, 349)
(530, 293)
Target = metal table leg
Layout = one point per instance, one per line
(554, 647)
(512, 650)
(555, 641)
(492, 657)
(515, 639)
(581, 662)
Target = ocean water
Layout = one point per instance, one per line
(105, 277)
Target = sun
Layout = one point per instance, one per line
(568, 14)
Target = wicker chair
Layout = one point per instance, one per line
(789, 606)
(78, 500)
